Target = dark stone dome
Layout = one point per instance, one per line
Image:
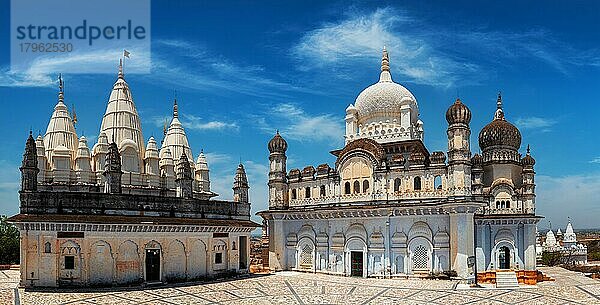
(528, 160)
(499, 132)
(277, 144)
(458, 113)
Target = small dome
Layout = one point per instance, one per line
(458, 113)
(477, 160)
(351, 109)
(528, 160)
(277, 144)
(499, 132)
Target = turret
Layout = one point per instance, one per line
(83, 166)
(167, 168)
(240, 185)
(458, 117)
(184, 178)
(528, 183)
(112, 170)
(99, 152)
(202, 173)
(60, 138)
(42, 161)
(29, 166)
(278, 187)
(151, 161)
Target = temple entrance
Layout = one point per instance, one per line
(152, 265)
(504, 258)
(356, 263)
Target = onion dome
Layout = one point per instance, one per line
(528, 160)
(121, 120)
(176, 138)
(437, 157)
(477, 160)
(277, 144)
(384, 100)
(499, 132)
(458, 113)
(61, 130)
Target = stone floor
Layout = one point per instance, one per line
(302, 288)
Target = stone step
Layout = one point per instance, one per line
(506, 279)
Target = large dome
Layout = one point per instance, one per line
(384, 99)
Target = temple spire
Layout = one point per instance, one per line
(61, 86)
(121, 68)
(385, 75)
(499, 100)
(175, 109)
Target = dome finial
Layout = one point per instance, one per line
(61, 86)
(385, 75)
(528, 151)
(499, 114)
(120, 68)
(175, 109)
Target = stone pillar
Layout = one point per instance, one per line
(461, 241)
(529, 241)
(277, 247)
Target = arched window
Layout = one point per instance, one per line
(365, 186)
(417, 183)
(502, 204)
(397, 183)
(508, 204)
(437, 182)
(307, 192)
(47, 247)
(356, 187)
(347, 187)
(322, 191)
(294, 196)
(497, 204)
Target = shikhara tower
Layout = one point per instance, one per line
(390, 207)
(124, 212)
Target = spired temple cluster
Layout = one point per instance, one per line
(124, 212)
(564, 244)
(390, 207)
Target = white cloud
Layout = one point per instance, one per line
(192, 122)
(300, 125)
(572, 196)
(533, 122)
(360, 38)
(595, 160)
(217, 158)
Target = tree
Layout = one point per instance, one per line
(551, 258)
(9, 242)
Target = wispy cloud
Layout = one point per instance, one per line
(538, 123)
(595, 160)
(572, 196)
(217, 158)
(192, 122)
(360, 38)
(424, 53)
(299, 125)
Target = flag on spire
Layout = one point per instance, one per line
(126, 53)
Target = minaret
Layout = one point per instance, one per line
(528, 183)
(278, 187)
(112, 170)
(184, 179)
(29, 167)
(240, 185)
(458, 117)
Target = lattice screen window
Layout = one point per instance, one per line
(420, 257)
(306, 257)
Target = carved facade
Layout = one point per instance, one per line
(123, 213)
(389, 206)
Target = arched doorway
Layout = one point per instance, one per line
(504, 257)
(152, 262)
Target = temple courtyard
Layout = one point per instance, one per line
(302, 288)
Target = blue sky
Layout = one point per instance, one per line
(242, 70)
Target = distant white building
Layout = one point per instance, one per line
(572, 252)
